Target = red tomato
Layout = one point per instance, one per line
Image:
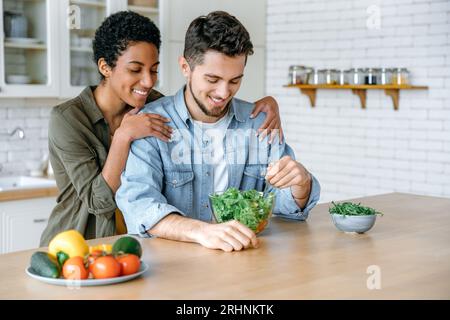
(74, 269)
(92, 257)
(105, 267)
(130, 263)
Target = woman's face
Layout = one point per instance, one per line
(135, 73)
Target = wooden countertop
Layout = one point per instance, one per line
(24, 194)
(296, 260)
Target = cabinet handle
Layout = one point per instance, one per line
(40, 220)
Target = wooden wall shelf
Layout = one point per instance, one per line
(360, 90)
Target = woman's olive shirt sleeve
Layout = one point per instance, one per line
(78, 145)
(81, 165)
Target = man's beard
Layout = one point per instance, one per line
(210, 113)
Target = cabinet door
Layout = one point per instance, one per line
(80, 20)
(28, 56)
(23, 222)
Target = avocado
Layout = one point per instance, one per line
(127, 245)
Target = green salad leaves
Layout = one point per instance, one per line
(248, 207)
(351, 209)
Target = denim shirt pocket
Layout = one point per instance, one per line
(254, 177)
(179, 189)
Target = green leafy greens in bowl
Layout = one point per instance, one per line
(249, 207)
(352, 209)
(351, 217)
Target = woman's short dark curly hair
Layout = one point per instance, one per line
(120, 29)
(217, 31)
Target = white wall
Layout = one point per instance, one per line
(357, 152)
(21, 156)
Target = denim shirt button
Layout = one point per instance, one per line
(174, 182)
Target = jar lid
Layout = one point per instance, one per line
(298, 67)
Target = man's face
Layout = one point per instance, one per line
(212, 84)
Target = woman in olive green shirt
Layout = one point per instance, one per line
(90, 135)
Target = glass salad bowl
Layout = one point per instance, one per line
(250, 207)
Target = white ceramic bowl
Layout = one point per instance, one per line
(18, 79)
(359, 224)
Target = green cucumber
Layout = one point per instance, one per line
(45, 265)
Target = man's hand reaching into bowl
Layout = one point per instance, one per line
(286, 173)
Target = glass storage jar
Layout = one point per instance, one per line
(385, 76)
(15, 24)
(299, 74)
(371, 76)
(330, 76)
(400, 76)
(343, 77)
(314, 77)
(322, 78)
(356, 76)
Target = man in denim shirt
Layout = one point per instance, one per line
(165, 186)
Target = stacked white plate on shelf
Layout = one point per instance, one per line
(23, 40)
(17, 79)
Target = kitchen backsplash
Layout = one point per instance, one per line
(356, 152)
(21, 156)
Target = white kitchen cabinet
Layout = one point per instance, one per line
(56, 54)
(28, 48)
(81, 19)
(61, 64)
(22, 223)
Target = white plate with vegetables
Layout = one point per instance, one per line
(88, 282)
(71, 262)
